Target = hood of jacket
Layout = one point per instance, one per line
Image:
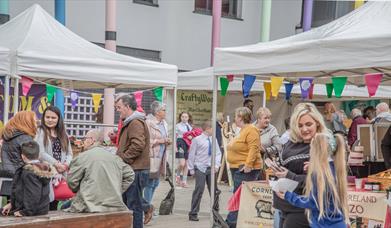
(385, 115)
(42, 169)
(9, 135)
(135, 115)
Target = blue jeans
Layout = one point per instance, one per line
(238, 177)
(133, 197)
(152, 184)
(277, 217)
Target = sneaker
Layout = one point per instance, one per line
(148, 215)
(194, 218)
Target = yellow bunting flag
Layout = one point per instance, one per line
(358, 3)
(96, 100)
(268, 88)
(276, 83)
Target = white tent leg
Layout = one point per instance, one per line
(173, 142)
(213, 162)
(264, 99)
(6, 98)
(16, 96)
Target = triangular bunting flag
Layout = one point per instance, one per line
(158, 92)
(138, 95)
(96, 97)
(373, 81)
(50, 91)
(224, 82)
(288, 90)
(305, 85)
(268, 89)
(329, 89)
(338, 84)
(276, 83)
(247, 84)
(74, 99)
(26, 85)
(230, 77)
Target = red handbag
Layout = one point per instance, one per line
(62, 191)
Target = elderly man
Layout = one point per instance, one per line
(357, 120)
(98, 178)
(133, 148)
(383, 114)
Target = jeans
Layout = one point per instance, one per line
(238, 178)
(152, 184)
(277, 217)
(133, 197)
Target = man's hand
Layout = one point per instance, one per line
(18, 214)
(246, 169)
(6, 209)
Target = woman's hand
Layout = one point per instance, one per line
(306, 164)
(281, 194)
(246, 169)
(6, 209)
(282, 173)
(168, 141)
(60, 167)
(18, 214)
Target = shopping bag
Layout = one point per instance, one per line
(62, 191)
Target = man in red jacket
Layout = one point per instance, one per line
(357, 120)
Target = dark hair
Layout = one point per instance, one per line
(190, 117)
(246, 101)
(30, 149)
(369, 112)
(60, 128)
(129, 100)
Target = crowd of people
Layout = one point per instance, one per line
(38, 156)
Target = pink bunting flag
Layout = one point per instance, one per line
(138, 95)
(26, 85)
(373, 81)
(230, 77)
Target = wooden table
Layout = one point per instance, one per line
(60, 219)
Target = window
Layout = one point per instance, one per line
(229, 8)
(147, 2)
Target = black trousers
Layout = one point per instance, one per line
(293, 220)
(200, 180)
(386, 151)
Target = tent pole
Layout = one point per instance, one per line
(213, 162)
(16, 95)
(173, 141)
(6, 98)
(264, 99)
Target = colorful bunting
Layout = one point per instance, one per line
(50, 91)
(372, 81)
(276, 83)
(329, 88)
(74, 99)
(247, 84)
(26, 85)
(96, 97)
(338, 84)
(288, 90)
(305, 85)
(230, 77)
(224, 82)
(158, 92)
(138, 95)
(311, 92)
(268, 89)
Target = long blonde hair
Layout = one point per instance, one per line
(327, 184)
(301, 110)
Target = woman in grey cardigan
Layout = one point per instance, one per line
(54, 145)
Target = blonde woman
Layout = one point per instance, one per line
(334, 118)
(325, 195)
(305, 122)
(243, 154)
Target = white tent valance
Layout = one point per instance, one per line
(4, 61)
(43, 47)
(355, 44)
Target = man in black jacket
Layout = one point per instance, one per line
(30, 187)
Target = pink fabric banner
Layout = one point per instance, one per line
(230, 77)
(138, 95)
(26, 85)
(373, 81)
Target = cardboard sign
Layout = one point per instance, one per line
(256, 208)
(367, 209)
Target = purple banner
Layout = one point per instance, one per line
(35, 100)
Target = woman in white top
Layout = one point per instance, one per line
(184, 125)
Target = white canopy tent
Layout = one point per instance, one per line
(4, 61)
(355, 44)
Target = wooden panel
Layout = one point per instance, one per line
(60, 219)
(380, 131)
(364, 135)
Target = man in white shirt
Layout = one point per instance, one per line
(200, 155)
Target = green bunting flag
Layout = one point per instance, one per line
(224, 82)
(339, 84)
(158, 92)
(50, 91)
(329, 88)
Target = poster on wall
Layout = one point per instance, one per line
(367, 209)
(35, 101)
(256, 208)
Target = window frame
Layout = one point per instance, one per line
(210, 12)
(147, 3)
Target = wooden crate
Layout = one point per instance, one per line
(383, 177)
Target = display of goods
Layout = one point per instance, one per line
(384, 178)
(355, 158)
